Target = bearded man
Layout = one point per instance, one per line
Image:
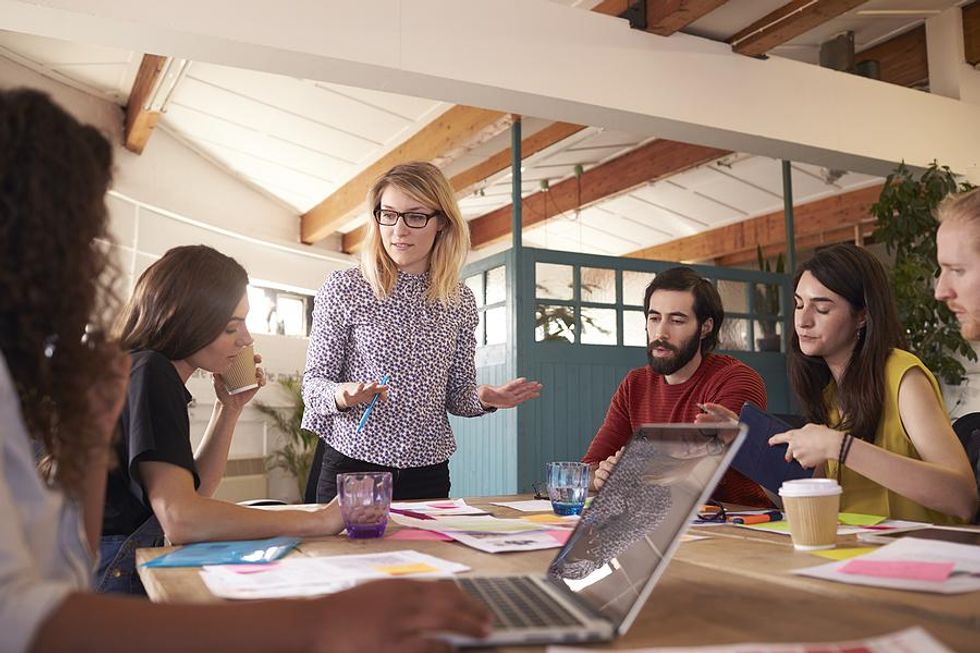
(684, 316)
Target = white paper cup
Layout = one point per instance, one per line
(242, 375)
(811, 507)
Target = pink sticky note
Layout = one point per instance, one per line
(444, 505)
(419, 534)
(251, 568)
(935, 572)
(561, 536)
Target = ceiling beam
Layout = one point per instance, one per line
(825, 221)
(901, 59)
(655, 160)
(140, 121)
(971, 32)
(664, 17)
(444, 138)
(463, 182)
(786, 23)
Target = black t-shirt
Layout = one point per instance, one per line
(154, 426)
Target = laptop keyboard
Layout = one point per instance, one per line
(517, 602)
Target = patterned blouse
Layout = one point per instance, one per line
(427, 350)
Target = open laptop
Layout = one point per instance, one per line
(597, 584)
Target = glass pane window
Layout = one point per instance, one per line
(291, 315)
(766, 299)
(496, 285)
(553, 281)
(598, 285)
(769, 335)
(598, 326)
(634, 286)
(475, 283)
(734, 295)
(496, 324)
(634, 329)
(261, 303)
(734, 335)
(554, 323)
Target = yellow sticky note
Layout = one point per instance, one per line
(546, 519)
(857, 519)
(844, 554)
(403, 570)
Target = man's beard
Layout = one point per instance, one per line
(970, 328)
(682, 355)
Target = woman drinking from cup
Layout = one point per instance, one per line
(399, 327)
(187, 313)
(878, 421)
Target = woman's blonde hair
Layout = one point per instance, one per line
(962, 208)
(425, 184)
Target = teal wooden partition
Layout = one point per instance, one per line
(578, 326)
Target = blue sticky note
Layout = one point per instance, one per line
(367, 411)
(226, 553)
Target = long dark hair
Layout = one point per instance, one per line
(55, 274)
(861, 280)
(182, 302)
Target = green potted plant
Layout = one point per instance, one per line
(296, 454)
(905, 223)
(766, 303)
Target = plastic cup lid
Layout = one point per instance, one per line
(810, 487)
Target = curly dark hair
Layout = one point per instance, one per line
(55, 274)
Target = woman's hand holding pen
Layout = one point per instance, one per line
(509, 394)
(354, 394)
(712, 413)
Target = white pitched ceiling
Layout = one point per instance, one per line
(299, 140)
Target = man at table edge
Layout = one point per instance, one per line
(684, 317)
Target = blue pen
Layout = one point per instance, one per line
(367, 411)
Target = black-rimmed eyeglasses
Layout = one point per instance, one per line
(413, 219)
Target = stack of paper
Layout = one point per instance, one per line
(441, 508)
(494, 535)
(909, 564)
(303, 576)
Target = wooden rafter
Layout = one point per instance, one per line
(786, 23)
(140, 121)
(664, 17)
(463, 182)
(971, 32)
(840, 218)
(442, 139)
(655, 160)
(901, 59)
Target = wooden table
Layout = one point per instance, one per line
(733, 587)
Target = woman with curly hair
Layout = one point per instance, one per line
(61, 391)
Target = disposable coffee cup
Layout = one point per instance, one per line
(811, 507)
(242, 375)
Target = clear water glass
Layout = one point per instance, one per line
(568, 484)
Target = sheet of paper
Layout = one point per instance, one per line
(911, 639)
(313, 576)
(565, 521)
(844, 553)
(439, 508)
(531, 505)
(417, 534)
(465, 524)
(965, 576)
(858, 519)
(503, 542)
(782, 527)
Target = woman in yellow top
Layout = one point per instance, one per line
(880, 426)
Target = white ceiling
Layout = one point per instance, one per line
(299, 140)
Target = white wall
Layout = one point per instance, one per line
(172, 196)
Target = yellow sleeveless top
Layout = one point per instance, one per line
(863, 495)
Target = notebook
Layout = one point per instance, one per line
(598, 582)
(765, 465)
(226, 553)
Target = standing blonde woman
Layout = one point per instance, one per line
(404, 315)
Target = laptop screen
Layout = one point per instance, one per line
(626, 537)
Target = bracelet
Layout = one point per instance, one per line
(845, 447)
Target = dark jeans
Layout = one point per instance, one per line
(429, 482)
(117, 558)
